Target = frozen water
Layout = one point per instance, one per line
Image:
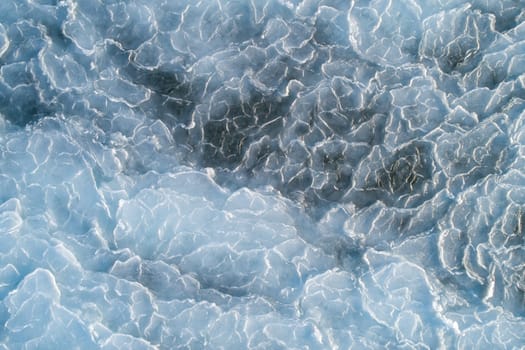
(219, 174)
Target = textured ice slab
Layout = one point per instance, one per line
(220, 174)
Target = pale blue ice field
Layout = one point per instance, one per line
(281, 174)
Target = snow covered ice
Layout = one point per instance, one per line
(283, 174)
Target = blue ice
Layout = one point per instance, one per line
(283, 174)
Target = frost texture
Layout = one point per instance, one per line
(262, 174)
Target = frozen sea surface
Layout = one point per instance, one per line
(329, 174)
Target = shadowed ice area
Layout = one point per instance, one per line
(283, 174)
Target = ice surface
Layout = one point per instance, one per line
(219, 174)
